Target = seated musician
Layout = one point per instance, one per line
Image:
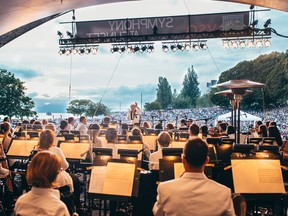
(42, 199)
(164, 140)
(112, 137)
(146, 149)
(194, 131)
(94, 131)
(193, 193)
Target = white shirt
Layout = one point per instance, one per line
(154, 159)
(193, 194)
(114, 148)
(134, 116)
(41, 201)
(82, 128)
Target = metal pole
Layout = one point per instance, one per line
(238, 127)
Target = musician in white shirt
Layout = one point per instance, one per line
(134, 114)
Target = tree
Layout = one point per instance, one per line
(87, 107)
(204, 101)
(13, 101)
(164, 93)
(155, 105)
(181, 102)
(191, 86)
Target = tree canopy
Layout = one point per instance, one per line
(164, 93)
(191, 86)
(87, 107)
(13, 101)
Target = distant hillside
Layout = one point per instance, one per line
(271, 69)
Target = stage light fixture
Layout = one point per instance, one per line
(259, 44)
(136, 48)
(150, 49)
(234, 44)
(187, 47)
(129, 49)
(251, 44)
(60, 34)
(242, 44)
(203, 46)
(69, 34)
(267, 43)
(67, 52)
(180, 47)
(122, 49)
(61, 51)
(226, 45)
(143, 48)
(254, 23)
(173, 47)
(94, 50)
(267, 23)
(165, 48)
(88, 50)
(74, 51)
(196, 47)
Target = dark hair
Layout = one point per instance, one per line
(82, 118)
(194, 129)
(136, 132)
(94, 127)
(70, 119)
(158, 126)
(196, 152)
(204, 129)
(230, 129)
(111, 135)
(223, 126)
(263, 130)
(169, 126)
(63, 124)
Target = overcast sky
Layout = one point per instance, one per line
(34, 57)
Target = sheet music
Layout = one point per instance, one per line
(21, 148)
(119, 179)
(97, 179)
(74, 150)
(257, 176)
(178, 170)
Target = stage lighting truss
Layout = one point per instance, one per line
(81, 50)
(184, 45)
(132, 48)
(251, 42)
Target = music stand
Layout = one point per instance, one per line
(213, 140)
(102, 156)
(269, 148)
(128, 154)
(268, 140)
(243, 148)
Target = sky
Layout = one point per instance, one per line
(119, 80)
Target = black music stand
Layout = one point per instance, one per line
(102, 156)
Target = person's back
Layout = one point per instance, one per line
(193, 193)
(42, 199)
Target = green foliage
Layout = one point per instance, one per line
(164, 93)
(191, 86)
(271, 69)
(182, 102)
(204, 101)
(155, 105)
(13, 101)
(87, 107)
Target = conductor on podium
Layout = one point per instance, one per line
(134, 114)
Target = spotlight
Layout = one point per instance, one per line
(94, 50)
(67, 52)
(165, 48)
(234, 44)
(143, 48)
(74, 51)
(136, 49)
(250, 44)
(115, 49)
(259, 44)
(69, 34)
(242, 44)
(195, 47)
(180, 47)
(254, 23)
(129, 49)
(61, 51)
(173, 48)
(203, 46)
(81, 51)
(267, 23)
(122, 49)
(187, 47)
(112, 50)
(226, 44)
(60, 34)
(88, 50)
(150, 48)
(267, 43)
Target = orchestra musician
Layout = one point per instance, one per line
(134, 114)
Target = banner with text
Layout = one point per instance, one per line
(163, 25)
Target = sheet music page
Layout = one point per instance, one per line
(257, 176)
(176, 144)
(97, 179)
(178, 170)
(75, 150)
(22, 147)
(119, 179)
